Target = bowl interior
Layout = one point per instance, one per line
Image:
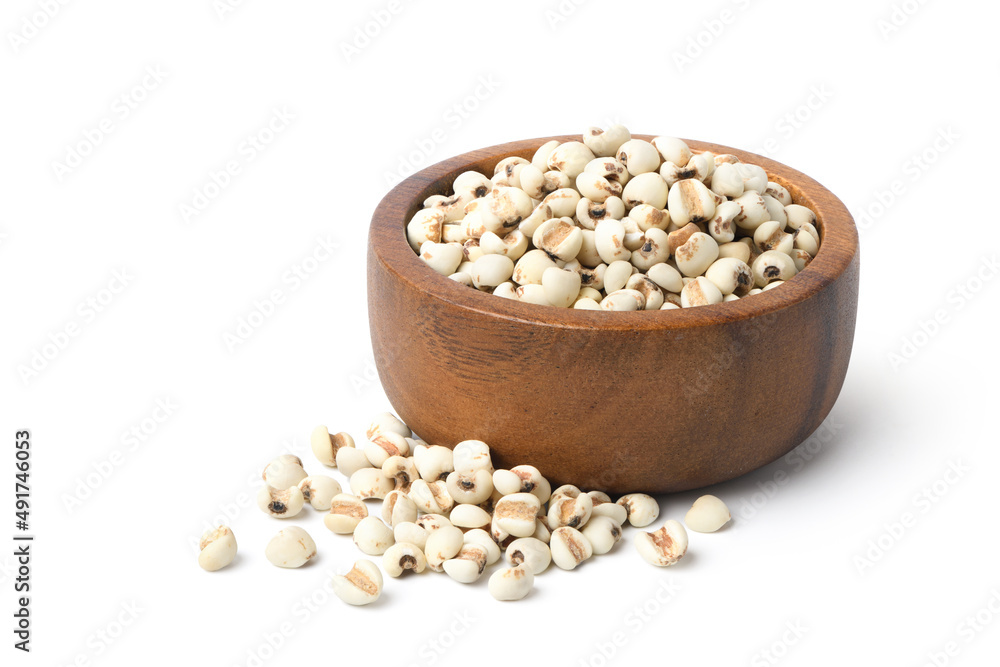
(838, 246)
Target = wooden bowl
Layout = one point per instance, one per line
(653, 401)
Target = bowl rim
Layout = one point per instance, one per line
(389, 246)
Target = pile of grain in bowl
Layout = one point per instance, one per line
(616, 223)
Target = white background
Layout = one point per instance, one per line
(861, 104)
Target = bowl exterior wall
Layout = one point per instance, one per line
(656, 411)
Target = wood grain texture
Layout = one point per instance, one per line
(653, 401)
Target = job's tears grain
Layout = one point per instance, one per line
(617, 223)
